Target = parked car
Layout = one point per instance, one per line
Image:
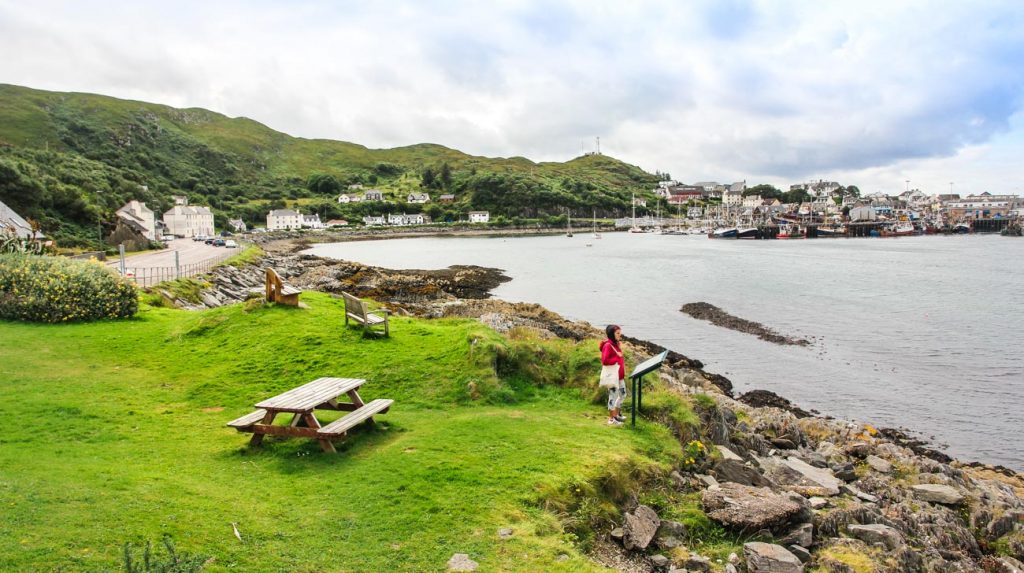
(230, 244)
(218, 242)
(209, 241)
(199, 238)
(166, 238)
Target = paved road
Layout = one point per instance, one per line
(189, 252)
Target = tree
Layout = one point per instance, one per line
(428, 178)
(853, 190)
(323, 184)
(446, 175)
(797, 196)
(764, 191)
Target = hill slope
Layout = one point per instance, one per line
(70, 159)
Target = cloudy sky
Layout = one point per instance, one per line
(863, 92)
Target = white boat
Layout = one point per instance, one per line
(634, 228)
(596, 234)
(568, 223)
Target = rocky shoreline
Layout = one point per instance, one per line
(805, 492)
(718, 317)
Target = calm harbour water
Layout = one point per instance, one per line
(917, 332)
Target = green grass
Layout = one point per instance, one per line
(247, 256)
(113, 432)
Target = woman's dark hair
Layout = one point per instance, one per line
(610, 331)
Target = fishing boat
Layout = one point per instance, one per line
(723, 233)
(831, 231)
(792, 231)
(961, 229)
(746, 233)
(901, 229)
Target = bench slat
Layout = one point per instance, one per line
(342, 425)
(289, 289)
(311, 395)
(248, 419)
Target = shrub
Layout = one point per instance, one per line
(56, 289)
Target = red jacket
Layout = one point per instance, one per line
(612, 355)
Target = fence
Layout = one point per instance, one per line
(149, 276)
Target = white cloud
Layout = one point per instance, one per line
(869, 93)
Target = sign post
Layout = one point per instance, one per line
(650, 365)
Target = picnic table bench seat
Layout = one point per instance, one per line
(359, 311)
(248, 420)
(356, 417)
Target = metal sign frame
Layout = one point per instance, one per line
(637, 377)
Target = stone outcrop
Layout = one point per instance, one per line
(746, 508)
(640, 527)
(938, 493)
(770, 558)
(877, 533)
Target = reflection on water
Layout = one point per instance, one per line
(923, 332)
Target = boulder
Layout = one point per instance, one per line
(878, 464)
(659, 561)
(770, 558)
(751, 508)
(707, 480)
(802, 535)
(1008, 565)
(845, 471)
(617, 534)
(877, 533)
(697, 564)
(505, 533)
(800, 476)
(737, 472)
(728, 454)
(462, 562)
(818, 502)
(937, 493)
(640, 527)
(801, 553)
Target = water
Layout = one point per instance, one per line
(919, 332)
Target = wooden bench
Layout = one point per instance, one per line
(342, 425)
(358, 311)
(279, 291)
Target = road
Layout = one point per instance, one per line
(189, 252)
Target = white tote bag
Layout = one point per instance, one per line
(609, 376)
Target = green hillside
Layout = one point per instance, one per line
(68, 160)
(114, 432)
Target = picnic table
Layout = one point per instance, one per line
(302, 403)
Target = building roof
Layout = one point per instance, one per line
(11, 220)
(283, 213)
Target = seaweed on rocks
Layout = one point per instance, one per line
(718, 317)
(766, 398)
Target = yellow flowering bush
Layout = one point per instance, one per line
(56, 289)
(694, 454)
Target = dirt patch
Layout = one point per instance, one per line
(718, 317)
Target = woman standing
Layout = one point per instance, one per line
(611, 354)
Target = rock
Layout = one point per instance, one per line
(672, 528)
(770, 558)
(782, 443)
(730, 568)
(801, 553)
(737, 472)
(1008, 565)
(708, 480)
(617, 534)
(698, 564)
(878, 464)
(733, 559)
(844, 471)
(859, 449)
(562, 557)
(641, 525)
(802, 535)
(462, 562)
(850, 490)
(728, 454)
(505, 533)
(876, 533)
(750, 508)
(815, 459)
(667, 542)
(659, 561)
(800, 476)
(677, 480)
(937, 493)
(818, 502)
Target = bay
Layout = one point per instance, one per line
(923, 333)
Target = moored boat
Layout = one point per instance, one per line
(723, 233)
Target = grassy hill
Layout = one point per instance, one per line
(70, 159)
(113, 432)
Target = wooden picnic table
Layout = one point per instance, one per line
(302, 402)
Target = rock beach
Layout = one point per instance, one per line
(718, 317)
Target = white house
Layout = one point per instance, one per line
(345, 198)
(238, 225)
(312, 222)
(417, 198)
(397, 220)
(184, 220)
(135, 213)
(283, 220)
(752, 201)
(355, 186)
(369, 220)
(12, 222)
(479, 216)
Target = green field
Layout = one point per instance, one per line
(113, 432)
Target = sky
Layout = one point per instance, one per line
(883, 95)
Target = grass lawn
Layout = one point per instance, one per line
(113, 432)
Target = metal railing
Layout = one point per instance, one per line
(149, 276)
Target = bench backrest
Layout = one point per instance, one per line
(354, 306)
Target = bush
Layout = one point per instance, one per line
(56, 289)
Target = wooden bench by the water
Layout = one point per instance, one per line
(279, 291)
(302, 402)
(358, 311)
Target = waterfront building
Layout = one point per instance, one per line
(284, 220)
(370, 220)
(137, 216)
(479, 216)
(312, 222)
(184, 220)
(984, 206)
